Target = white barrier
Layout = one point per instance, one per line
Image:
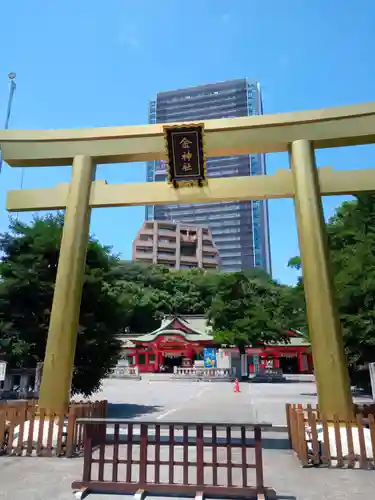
(125, 372)
(204, 373)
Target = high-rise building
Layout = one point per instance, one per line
(176, 245)
(239, 229)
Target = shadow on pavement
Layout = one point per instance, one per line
(276, 382)
(286, 497)
(354, 393)
(275, 444)
(125, 410)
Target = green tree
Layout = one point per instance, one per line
(144, 295)
(145, 275)
(145, 306)
(189, 291)
(351, 239)
(247, 311)
(155, 290)
(295, 263)
(30, 255)
(351, 235)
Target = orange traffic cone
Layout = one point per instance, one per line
(236, 386)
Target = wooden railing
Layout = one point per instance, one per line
(17, 403)
(317, 440)
(26, 429)
(124, 457)
(205, 373)
(125, 372)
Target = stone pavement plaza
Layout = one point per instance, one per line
(158, 399)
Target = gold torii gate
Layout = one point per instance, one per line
(298, 133)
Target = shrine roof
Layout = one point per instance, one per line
(294, 342)
(190, 337)
(193, 334)
(296, 339)
(189, 329)
(126, 342)
(195, 324)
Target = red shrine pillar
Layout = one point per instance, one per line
(147, 362)
(276, 361)
(157, 362)
(310, 363)
(301, 367)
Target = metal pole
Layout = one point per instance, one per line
(372, 378)
(12, 88)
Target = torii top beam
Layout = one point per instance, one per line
(331, 127)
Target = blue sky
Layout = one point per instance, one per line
(93, 63)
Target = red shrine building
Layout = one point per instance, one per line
(181, 340)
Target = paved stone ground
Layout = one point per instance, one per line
(163, 401)
(151, 399)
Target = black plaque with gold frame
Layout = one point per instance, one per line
(186, 162)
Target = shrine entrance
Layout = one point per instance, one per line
(184, 147)
(171, 360)
(289, 365)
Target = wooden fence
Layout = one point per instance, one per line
(319, 441)
(27, 430)
(124, 457)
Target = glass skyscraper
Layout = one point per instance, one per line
(240, 229)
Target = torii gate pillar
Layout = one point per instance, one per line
(64, 321)
(330, 366)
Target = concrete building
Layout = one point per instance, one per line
(177, 245)
(240, 229)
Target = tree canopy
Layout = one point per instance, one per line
(250, 309)
(28, 272)
(118, 296)
(351, 238)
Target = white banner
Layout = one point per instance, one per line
(3, 369)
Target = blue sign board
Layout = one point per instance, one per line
(209, 356)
